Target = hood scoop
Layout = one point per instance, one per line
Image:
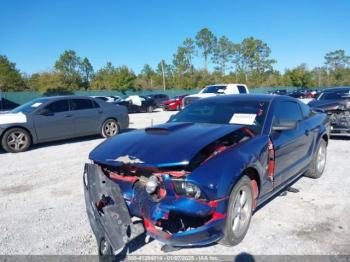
(167, 128)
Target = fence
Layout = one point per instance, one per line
(10, 100)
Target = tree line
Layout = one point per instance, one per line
(248, 62)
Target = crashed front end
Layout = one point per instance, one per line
(171, 209)
(176, 202)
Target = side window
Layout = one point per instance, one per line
(81, 104)
(305, 109)
(58, 106)
(94, 103)
(287, 110)
(242, 89)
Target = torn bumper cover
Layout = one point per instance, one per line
(173, 219)
(108, 214)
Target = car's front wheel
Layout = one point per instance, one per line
(239, 212)
(16, 140)
(318, 163)
(110, 128)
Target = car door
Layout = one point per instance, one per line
(54, 121)
(87, 115)
(291, 146)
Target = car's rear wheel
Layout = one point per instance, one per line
(319, 160)
(110, 128)
(239, 212)
(149, 109)
(16, 140)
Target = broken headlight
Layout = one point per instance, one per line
(182, 187)
(152, 184)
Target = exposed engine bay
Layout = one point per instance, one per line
(339, 119)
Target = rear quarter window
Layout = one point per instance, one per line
(242, 89)
(81, 104)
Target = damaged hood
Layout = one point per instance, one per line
(324, 104)
(164, 145)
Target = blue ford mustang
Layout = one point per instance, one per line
(198, 178)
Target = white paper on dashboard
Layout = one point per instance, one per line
(243, 119)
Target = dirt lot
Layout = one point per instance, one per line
(43, 212)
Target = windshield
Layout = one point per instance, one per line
(214, 89)
(333, 96)
(29, 106)
(247, 113)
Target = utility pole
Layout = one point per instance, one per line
(162, 63)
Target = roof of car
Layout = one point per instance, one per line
(247, 97)
(64, 96)
(337, 89)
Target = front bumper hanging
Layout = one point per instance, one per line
(108, 214)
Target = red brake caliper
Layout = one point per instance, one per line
(271, 156)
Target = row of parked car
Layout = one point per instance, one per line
(54, 118)
(298, 93)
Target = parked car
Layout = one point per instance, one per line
(336, 103)
(138, 104)
(198, 178)
(214, 90)
(61, 117)
(278, 92)
(108, 99)
(173, 104)
(158, 98)
(303, 93)
(299, 93)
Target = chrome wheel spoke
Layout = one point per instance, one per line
(243, 198)
(241, 211)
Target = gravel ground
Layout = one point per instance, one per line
(43, 211)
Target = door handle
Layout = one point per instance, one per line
(68, 115)
(100, 111)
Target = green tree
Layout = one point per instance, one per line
(87, 72)
(116, 78)
(181, 62)
(299, 77)
(69, 65)
(252, 57)
(10, 77)
(44, 82)
(190, 50)
(147, 77)
(337, 59)
(206, 41)
(223, 52)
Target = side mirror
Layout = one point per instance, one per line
(284, 125)
(45, 112)
(221, 91)
(318, 110)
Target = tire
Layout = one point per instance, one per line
(238, 214)
(110, 128)
(149, 109)
(108, 255)
(16, 140)
(319, 160)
